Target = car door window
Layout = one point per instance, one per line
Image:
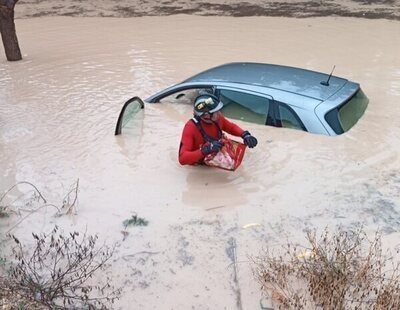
(288, 118)
(128, 112)
(243, 106)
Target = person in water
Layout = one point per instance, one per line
(201, 134)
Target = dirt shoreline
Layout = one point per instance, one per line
(370, 9)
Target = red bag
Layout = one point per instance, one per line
(229, 157)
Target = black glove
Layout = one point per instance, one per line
(212, 147)
(249, 140)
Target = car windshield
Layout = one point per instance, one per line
(346, 116)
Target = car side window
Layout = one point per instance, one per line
(288, 118)
(243, 106)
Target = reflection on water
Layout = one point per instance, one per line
(59, 106)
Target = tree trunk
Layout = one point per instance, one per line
(7, 29)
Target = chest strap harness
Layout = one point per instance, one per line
(206, 137)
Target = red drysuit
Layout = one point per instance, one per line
(189, 151)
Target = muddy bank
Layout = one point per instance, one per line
(371, 9)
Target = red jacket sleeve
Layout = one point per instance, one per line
(230, 127)
(189, 152)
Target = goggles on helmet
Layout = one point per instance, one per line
(207, 104)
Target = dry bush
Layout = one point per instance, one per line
(57, 272)
(337, 271)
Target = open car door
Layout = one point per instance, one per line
(129, 110)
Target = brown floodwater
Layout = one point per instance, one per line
(58, 109)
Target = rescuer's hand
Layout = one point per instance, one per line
(212, 147)
(249, 140)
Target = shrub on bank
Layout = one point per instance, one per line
(344, 270)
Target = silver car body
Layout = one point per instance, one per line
(305, 91)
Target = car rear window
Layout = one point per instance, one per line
(346, 116)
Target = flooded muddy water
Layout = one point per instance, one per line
(59, 106)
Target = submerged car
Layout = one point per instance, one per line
(269, 94)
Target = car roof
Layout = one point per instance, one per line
(289, 79)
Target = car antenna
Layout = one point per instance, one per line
(326, 83)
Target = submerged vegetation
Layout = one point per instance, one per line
(4, 212)
(344, 270)
(135, 220)
(32, 201)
